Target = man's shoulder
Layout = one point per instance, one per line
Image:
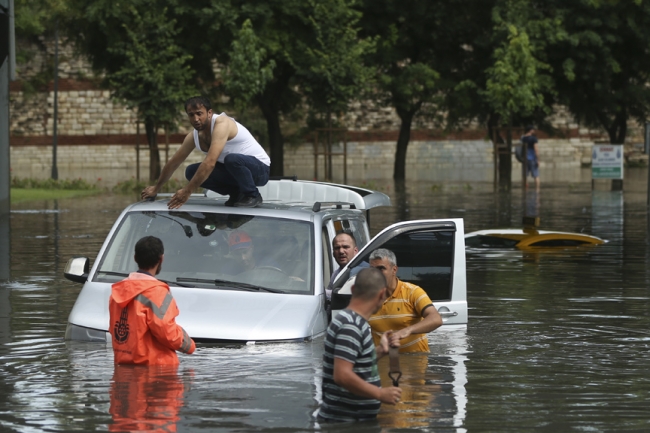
(408, 288)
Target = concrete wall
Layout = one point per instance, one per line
(452, 160)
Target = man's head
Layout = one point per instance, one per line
(385, 261)
(241, 246)
(149, 253)
(530, 129)
(344, 247)
(199, 112)
(370, 286)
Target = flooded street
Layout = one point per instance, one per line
(557, 341)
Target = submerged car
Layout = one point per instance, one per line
(528, 238)
(274, 289)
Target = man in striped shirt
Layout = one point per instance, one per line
(408, 310)
(351, 387)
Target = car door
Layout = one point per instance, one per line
(430, 254)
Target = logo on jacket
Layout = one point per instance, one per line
(121, 329)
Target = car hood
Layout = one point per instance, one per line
(217, 314)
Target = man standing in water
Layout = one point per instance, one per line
(143, 313)
(351, 386)
(235, 163)
(530, 141)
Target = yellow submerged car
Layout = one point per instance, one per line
(528, 238)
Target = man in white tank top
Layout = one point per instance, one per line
(235, 163)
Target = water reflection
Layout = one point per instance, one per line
(147, 399)
(555, 342)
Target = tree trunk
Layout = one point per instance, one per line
(154, 154)
(617, 128)
(399, 170)
(269, 102)
(276, 140)
(503, 160)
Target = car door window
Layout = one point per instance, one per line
(327, 257)
(424, 258)
(358, 228)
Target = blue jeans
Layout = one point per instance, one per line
(238, 174)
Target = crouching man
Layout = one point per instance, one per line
(351, 385)
(142, 313)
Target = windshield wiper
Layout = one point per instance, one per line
(122, 274)
(228, 283)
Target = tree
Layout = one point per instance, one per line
(284, 50)
(424, 51)
(515, 83)
(135, 45)
(602, 68)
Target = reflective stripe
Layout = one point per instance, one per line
(187, 343)
(159, 312)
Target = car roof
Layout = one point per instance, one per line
(282, 198)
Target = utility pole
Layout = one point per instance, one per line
(7, 73)
(55, 169)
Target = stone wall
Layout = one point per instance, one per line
(452, 160)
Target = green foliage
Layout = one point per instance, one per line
(153, 74)
(331, 65)
(19, 195)
(32, 18)
(514, 83)
(249, 68)
(601, 69)
(51, 184)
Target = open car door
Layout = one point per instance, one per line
(430, 254)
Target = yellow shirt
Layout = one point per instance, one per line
(403, 308)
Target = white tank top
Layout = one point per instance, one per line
(243, 143)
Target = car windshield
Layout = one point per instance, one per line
(217, 251)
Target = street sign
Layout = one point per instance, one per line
(607, 161)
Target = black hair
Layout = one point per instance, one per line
(367, 283)
(148, 252)
(529, 128)
(196, 101)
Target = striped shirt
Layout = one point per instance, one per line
(348, 338)
(403, 308)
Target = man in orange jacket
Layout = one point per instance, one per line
(143, 312)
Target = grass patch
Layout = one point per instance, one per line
(19, 195)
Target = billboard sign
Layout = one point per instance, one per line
(607, 161)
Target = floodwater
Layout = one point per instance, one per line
(557, 341)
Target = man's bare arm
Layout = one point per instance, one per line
(174, 162)
(430, 320)
(345, 377)
(223, 130)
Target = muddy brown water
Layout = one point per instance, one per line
(557, 340)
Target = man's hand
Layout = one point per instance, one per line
(388, 339)
(149, 192)
(179, 198)
(390, 395)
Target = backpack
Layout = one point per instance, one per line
(520, 150)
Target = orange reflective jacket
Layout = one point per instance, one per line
(142, 322)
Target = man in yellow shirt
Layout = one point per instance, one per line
(407, 311)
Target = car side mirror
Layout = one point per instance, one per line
(77, 269)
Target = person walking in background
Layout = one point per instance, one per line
(351, 385)
(530, 141)
(143, 313)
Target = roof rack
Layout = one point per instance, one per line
(338, 204)
(296, 192)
